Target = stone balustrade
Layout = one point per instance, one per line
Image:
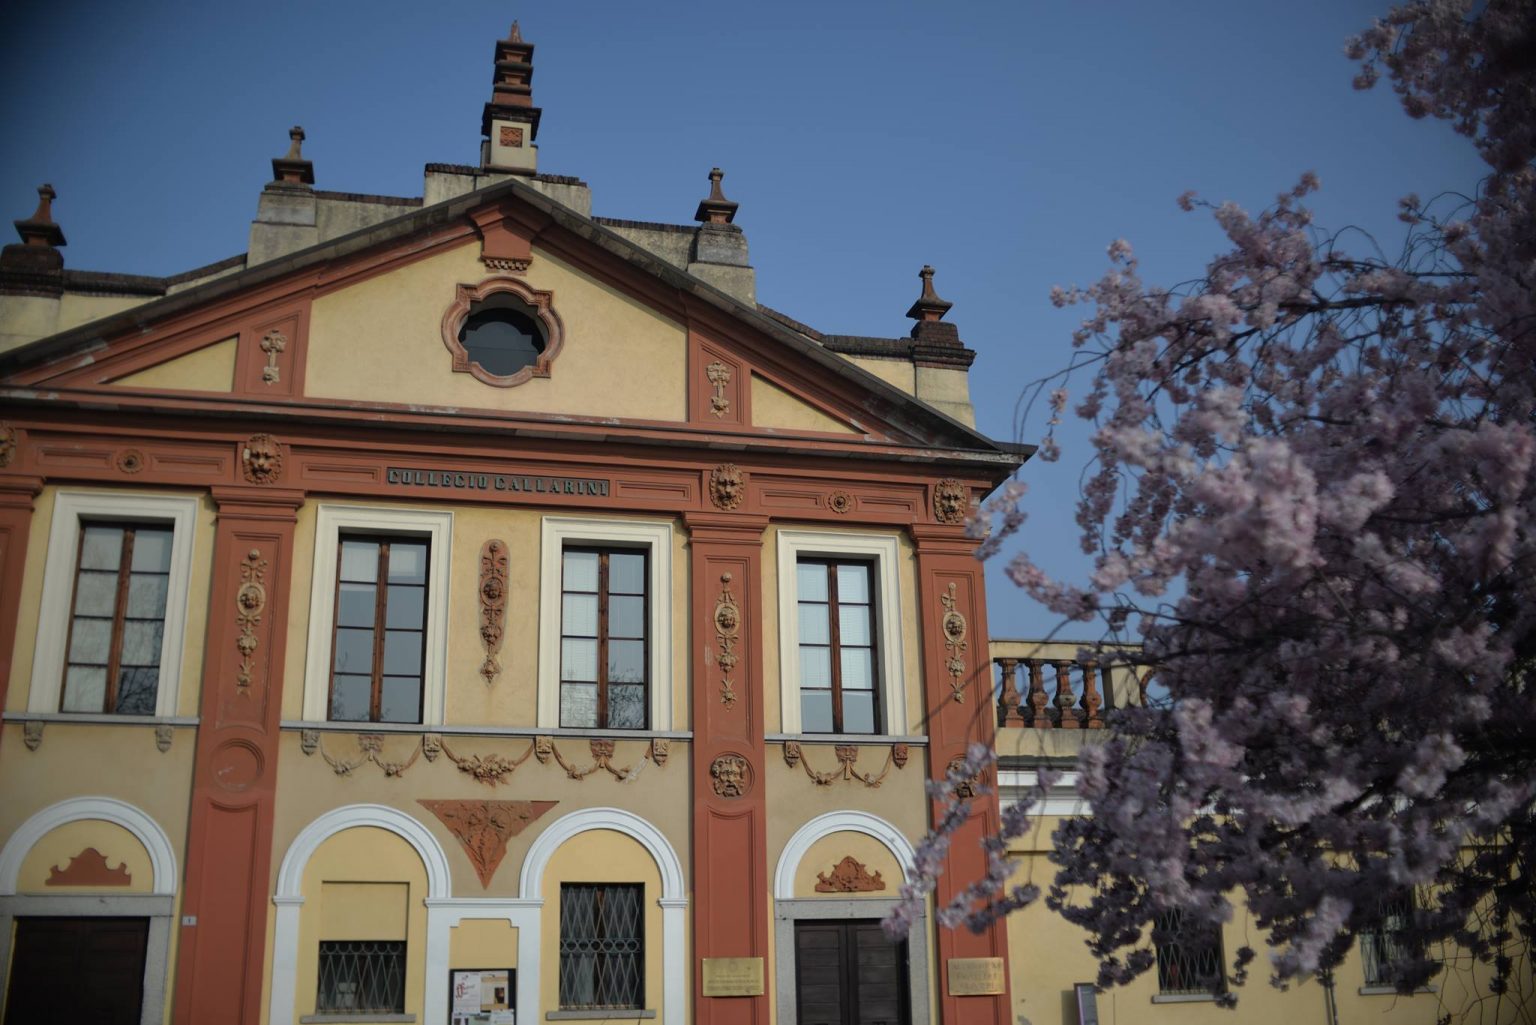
(1052, 686)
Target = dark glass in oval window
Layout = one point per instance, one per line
(502, 335)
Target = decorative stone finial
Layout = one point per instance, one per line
(516, 35)
(292, 168)
(34, 266)
(716, 209)
(929, 307)
(510, 121)
(39, 229)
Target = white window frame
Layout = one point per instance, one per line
(70, 508)
(331, 521)
(885, 551)
(557, 532)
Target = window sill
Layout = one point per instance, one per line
(330, 726)
(845, 738)
(322, 1019)
(613, 1015)
(102, 718)
(1391, 991)
(1186, 998)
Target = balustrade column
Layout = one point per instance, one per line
(1064, 696)
(1009, 713)
(1091, 699)
(1038, 701)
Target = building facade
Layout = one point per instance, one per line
(462, 608)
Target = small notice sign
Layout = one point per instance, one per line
(733, 976)
(975, 976)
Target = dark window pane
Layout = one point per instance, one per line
(361, 977)
(85, 689)
(1188, 955)
(578, 704)
(626, 662)
(91, 641)
(141, 642)
(626, 707)
(502, 336)
(402, 652)
(816, 711)
(626, 573)
(151, 550)
(101, 547)
(407, 562)
(578, 659)
(400, 699)
(354, 650)
(359, 561)
(602, 946)
(355, 605)
(136, 691)
(146, 595)
(626, 616)
(858, 712)
(350, 698)
(95, 593)
(580, 571)
(406, 607)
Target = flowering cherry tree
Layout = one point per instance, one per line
(1314, 496)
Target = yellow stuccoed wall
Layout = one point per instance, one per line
(211, 368)
(1047, 956)
(602, 856)
(772, 406)
(381, 341)
(32, 592)
(483, 943)
(61, 845)
(367, 855)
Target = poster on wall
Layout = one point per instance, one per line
(482, 996)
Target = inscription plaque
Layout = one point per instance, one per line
(975, 976)
(732, 976)
(476, 481)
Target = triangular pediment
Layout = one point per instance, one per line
(373, 320)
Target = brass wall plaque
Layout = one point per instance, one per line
(975, 976)
(733, 976)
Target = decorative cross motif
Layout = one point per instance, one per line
(272, 343)
(719, 376)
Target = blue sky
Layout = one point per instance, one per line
(1005, 143)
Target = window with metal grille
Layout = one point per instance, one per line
(1386, 944)
(603, 644)
(602, 946)
(361, 977)
(381, 623)
(839, 673)
(117, 619)
(1188, 955)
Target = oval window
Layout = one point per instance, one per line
(502, 334)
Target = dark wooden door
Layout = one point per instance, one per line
(847, 972)
(77, 969)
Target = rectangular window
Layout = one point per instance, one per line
(117, 618)
(1385, 944)
(1188, 955)
(378, 648)
(361, 977)
(839, 674)
(604, 656)
(602, 946)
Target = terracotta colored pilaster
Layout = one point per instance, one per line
(956, 655)
(229, 838)
(16, 495)
(730, 818)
